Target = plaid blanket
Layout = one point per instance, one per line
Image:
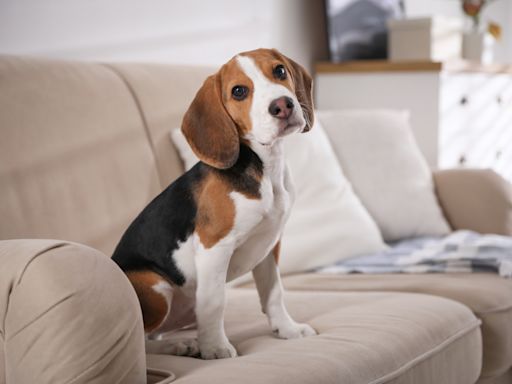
(461, 251)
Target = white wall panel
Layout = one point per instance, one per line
(192, 31)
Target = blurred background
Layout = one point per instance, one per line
(195, 31)
(448, 62)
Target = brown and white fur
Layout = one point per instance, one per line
(225, 216)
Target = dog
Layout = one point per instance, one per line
(225, 216)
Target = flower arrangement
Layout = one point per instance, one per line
(473, 9)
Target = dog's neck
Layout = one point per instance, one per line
(272, 157)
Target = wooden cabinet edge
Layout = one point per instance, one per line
(368, 66)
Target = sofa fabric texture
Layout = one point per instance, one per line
(75, 161)
(363, 338)
(487, 295)
(67, 315)
(475, 199)
(162, 96)
(85, 147)
(379, 154)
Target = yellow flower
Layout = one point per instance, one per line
(494, 29)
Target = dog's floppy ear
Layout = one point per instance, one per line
(303, 90)
(209, 129)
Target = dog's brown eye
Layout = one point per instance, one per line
(279, 72)
(239, 92)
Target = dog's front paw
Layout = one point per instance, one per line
(217, 351)
(294, 331)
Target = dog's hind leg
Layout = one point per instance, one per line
(156, 297)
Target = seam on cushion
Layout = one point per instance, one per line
(145, 124)
(60, 301)
(120, 341)
(39, 253)
(504, 308)
(127, 371)
(18, 278)
(130, 335)
(419, 359)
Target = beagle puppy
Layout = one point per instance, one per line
(224, 217)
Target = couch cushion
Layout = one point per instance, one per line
(163, 93)
(363, 338)
(67, 315)
(487, 295)
(382, 160)
(75, 163)
(475, 199)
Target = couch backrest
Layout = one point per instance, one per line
(85, 146)
(163, 94)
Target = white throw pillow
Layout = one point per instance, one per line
(328, 222)
(379, 155)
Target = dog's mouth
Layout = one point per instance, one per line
(285, 128)
(291, 126)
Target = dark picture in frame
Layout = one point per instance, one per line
(357, 29)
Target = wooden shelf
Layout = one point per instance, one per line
(468, 67)
(367, 66)
(377, 66)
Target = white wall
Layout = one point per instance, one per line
(388, 90)
(189, 31)
(178, 31)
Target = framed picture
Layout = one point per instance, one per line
(357, 29)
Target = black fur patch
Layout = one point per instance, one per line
(245, 175)
(151, 239)
(154, 235)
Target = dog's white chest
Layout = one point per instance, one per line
(260, 222)
(277, 202)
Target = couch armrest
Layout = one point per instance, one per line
(67, 314)
(475, 199)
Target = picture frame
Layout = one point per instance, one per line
(357, 29)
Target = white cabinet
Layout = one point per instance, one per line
(461, 115)
(475, 127)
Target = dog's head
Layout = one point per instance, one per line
(257, 97)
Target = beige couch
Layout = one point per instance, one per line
(85, 146)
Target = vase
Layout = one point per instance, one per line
(477, 47)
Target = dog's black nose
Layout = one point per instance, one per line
(281, 108)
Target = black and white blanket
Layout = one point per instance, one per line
(461, 251)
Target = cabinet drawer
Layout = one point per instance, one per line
(476, 120)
